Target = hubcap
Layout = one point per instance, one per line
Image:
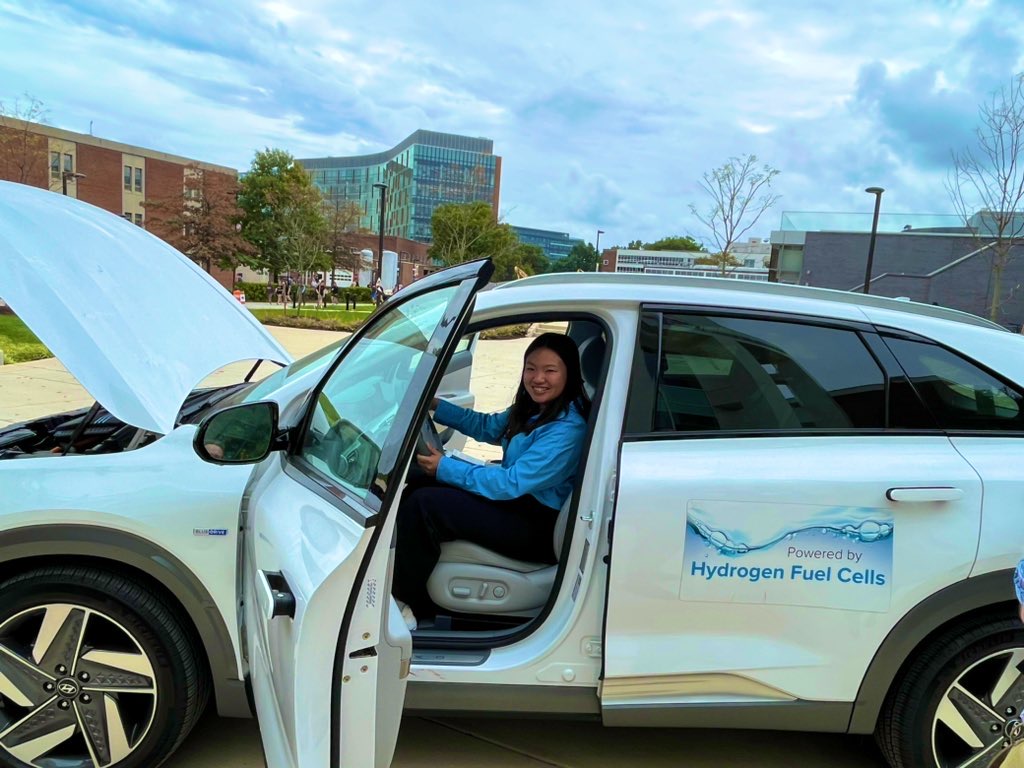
(76, 688)
(980, 712)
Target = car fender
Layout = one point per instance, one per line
(990, 591)
(40, 545)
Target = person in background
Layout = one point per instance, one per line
(512, 508)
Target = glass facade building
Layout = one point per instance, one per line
(424, 171)
(556, 245)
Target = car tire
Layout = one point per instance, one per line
(956, 703)
(95, 669)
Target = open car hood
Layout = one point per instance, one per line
(135, 321)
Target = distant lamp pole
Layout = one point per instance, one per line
(597, 247)
(383, 210)
(65, 175)
(877, 192)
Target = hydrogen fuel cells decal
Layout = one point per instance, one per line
(788, 554)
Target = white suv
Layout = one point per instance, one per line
(797, 510)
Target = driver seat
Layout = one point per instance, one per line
(471, 579)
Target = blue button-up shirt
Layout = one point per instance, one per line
(1018, 581)
(542, 463)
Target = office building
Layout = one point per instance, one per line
(556, 245)
(117, 177)
(678, 263)
(934, 259)
(424, 171)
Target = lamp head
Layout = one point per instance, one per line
(874, 190)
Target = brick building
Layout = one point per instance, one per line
(116, 177)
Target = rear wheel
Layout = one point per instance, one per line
(95, 671)
(958, 702)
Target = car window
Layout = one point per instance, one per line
(960, 394)
(357, 405)
(722, 373)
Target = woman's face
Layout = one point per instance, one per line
(544, 376)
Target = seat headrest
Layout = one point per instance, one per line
(591, 360)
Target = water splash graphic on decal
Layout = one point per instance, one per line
(841, 523)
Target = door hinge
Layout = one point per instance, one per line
(592, 647)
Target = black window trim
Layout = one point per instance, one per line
(896, 333)
(634, 402)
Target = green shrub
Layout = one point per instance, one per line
(506, 332)
(253, 291)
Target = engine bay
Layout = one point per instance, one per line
(96, 431)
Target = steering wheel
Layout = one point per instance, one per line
(428, 438)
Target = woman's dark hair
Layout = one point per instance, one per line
(523, 407)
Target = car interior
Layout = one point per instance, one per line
(485, 596)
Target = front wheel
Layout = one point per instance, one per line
(960, 702)
(95, 672)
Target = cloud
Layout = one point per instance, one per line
(606, 115)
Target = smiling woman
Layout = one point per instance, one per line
(17, 343)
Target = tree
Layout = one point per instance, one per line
(22, 152)
(342, 230)
(635, 245)
(531, 259)
(722, 261)
(675, 243)
(581, 258)
(203, 222)
(986, 183)
(467, 231)
(303, 252)
(740, 192)
(281, 209)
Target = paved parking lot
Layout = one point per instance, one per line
(44, 387)
(435, 743)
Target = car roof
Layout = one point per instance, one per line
(715, 290)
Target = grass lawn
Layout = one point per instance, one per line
(18, 343)
(330, 318)
(330, 313)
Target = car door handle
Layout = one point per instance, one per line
(919, 494)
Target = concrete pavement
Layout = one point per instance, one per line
(33, 389)
(501, 743)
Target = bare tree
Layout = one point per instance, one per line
(740, 191)
(22, 151)
(303, 252)
(986, 183)
(342, 235)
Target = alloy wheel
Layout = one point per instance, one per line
(77, 690)
(980, 712)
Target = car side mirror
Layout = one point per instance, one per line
(241, 434)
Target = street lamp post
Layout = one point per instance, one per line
(877, 192)
(597, 247)
(383, 210)
(64, 176)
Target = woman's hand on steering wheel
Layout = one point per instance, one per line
(429, 462)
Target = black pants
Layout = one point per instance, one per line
(429, 515)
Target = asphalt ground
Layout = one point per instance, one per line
(32, 389)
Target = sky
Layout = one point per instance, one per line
(606, 114)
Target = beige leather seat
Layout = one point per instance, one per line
(471, 579)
